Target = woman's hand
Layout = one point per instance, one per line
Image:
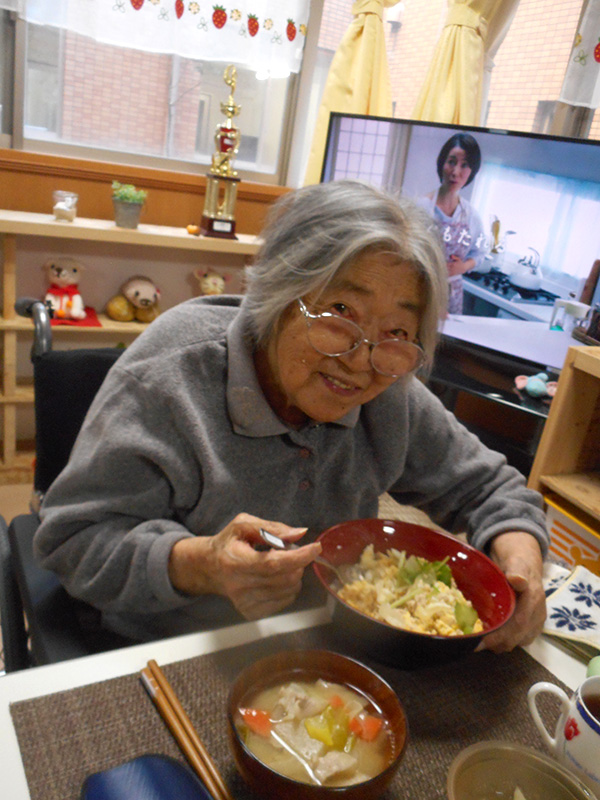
(456, 266)
(519, 556)
(258, 583)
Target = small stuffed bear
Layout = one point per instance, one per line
(63, 293)
(138, 300)
(210, 283)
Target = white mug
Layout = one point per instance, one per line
(576, 741)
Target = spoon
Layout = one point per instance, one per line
(278, 544)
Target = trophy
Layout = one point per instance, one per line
(222, 180)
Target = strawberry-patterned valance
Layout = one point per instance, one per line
(265, 35)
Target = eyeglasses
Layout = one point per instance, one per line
(335, 336)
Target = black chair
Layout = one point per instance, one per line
(41, 622)
(14, 636)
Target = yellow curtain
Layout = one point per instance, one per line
(453, 88)
(358, 81)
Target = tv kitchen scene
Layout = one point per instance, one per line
(532, 207)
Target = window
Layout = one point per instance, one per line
(6, 62)
(527, 76)
(81, 92)
(86, 88)
(543, 116)
(118, 104)
(43, 81)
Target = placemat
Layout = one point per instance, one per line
(66, 736)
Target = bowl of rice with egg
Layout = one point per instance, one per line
(410, 595)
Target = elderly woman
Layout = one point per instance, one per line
(291, 409)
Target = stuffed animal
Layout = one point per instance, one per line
(536, 385)
(63, 294)
(210, 282)
(138, 300)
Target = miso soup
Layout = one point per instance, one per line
(318, 733)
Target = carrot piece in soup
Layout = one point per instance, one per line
(371, 727)
(355, 727)
(258, 721)
(366, 727)
(336, 701)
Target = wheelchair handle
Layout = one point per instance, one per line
(41, 314)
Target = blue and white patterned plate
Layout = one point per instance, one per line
(554, 575)
(574, 608)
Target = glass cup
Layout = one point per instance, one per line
(65, 205)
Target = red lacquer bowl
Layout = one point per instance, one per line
(477, 576)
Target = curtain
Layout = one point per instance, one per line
(264, 35)
(358, 81)
(455, 85)
(581, 85)
(498, 26)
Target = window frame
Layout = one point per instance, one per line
(299, 83)
(7, 39)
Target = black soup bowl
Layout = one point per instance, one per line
(480, 580)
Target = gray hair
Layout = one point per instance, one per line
(314, 233)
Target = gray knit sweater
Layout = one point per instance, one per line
(180, 439)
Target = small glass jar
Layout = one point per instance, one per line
(65, 205)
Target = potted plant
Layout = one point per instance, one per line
(128, 202)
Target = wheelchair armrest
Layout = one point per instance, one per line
(54, 628)
(14, 635)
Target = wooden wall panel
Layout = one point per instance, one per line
(27, 181)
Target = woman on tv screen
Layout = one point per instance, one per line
(460, 225)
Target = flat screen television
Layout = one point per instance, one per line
(537, 196)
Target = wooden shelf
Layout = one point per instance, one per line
(108, 325)
(20, 468)
(587, 359)
(567, 461)
(580, 489)
(22, 394)
(102, 230)
(17, 225)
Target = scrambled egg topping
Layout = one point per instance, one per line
(410, 593)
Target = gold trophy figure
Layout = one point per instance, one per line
(222, 180)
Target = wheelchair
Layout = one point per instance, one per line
(41, 622)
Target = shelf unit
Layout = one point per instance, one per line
(14, 226)
(567, 461)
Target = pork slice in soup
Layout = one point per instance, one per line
(320, 732)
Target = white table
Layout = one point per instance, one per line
(91, 669)
(532, 341)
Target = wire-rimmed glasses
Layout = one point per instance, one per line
(335, 336)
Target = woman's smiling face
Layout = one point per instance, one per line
(380, 295)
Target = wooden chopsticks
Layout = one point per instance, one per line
(178, 722)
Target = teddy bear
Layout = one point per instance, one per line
(210, 283)
(63, 294)
(138, 299)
